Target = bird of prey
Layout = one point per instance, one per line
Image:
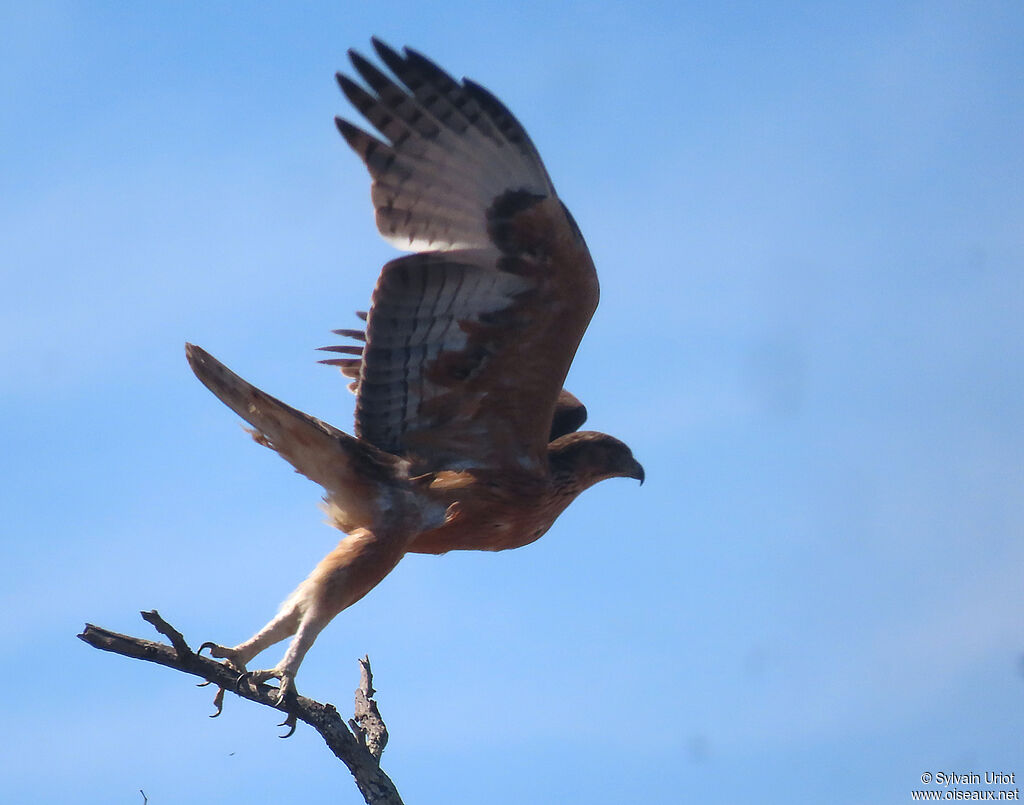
(464, 437)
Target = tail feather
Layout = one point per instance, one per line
(354, 473)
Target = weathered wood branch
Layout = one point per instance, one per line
(367, 724)
(359, 748)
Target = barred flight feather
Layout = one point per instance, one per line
(457, 179)
(449, 150)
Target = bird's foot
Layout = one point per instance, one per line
(235, 658)
(286, 690)
(286, 693)
(232, 658)
(218, 700)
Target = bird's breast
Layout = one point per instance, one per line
(488, 517)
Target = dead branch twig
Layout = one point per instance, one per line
(360, 752)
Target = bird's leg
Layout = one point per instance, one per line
(341, 578)
(300, 616)
(283, 625)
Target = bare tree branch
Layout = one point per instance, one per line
(367, 724)
(360, 751)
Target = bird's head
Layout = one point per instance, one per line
(586, 457)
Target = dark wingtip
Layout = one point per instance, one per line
(359, 61)
(195, 355)
(387, 53)
(349, 131)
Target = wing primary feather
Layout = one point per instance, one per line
(510, 127)
(350, 367)
(377, 80)
(358, 335)
(371, 109)
(415, 131)
(447, 101)
(438, 89)
(467, 340)
(343, 350)
(446, 150)
(378, 157)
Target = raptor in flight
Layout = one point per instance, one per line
(464, 438)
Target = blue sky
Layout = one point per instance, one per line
(808, 221)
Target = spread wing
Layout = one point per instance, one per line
(469, 339)
(569, 416)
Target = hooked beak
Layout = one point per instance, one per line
(638, 472)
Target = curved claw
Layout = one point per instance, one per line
(203, 684)
(218, 702)
(291, 723)
(232, 657)
(243, 678)
(286, 692)
(287, 695)
(252, 679)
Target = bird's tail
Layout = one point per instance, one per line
(355, 474)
